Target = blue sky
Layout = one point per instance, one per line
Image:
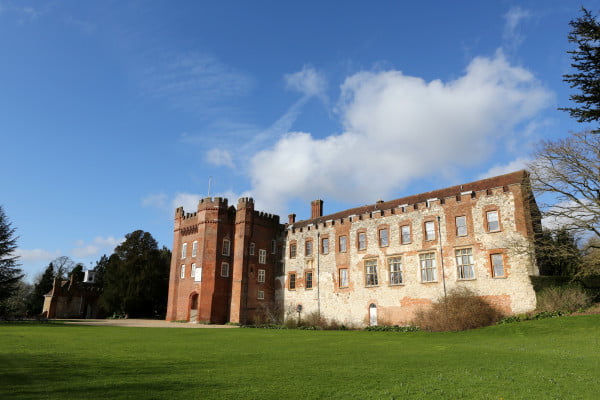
(114, 113)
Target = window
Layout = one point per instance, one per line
(252, 247)
(273, 247)
(184, 250)
(497, 265)
(183, 271)
(405, 234)
(226, 247)
(429, 230)
(493, 224)
(308, 248)
(395, 265)
(198, 275)
(325, 245)
(293, 250)
(464, 263)
(193, 271)
(262, 256)
(362, 240)
(261, 275)
(461, 226)
(371, 273)
(225, 270)
(308, 281)
(428, 270)
(343, 277)
(383, 237)
(292, 282)
(194, 248)
(342, 244)
(261, 295)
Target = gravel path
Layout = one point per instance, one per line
(140, 323)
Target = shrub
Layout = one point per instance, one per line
(391, 328)
(462, 309)
(563, 298)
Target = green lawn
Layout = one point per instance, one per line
(550, 359)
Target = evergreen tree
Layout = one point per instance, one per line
(77, 272)
(558, 253)
(585, 34)
(10, 275)
(136, 277)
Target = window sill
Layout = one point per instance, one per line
(466, 279)
(397, 284)
(429, 282)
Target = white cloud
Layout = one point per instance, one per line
(36, 255)
(512, 36)
(158, 200)
(98, 245)
(192, 80)
(501, 169)
(399, 128)
(307, 81)
(219, 157)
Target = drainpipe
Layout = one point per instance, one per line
(442, 254)
(318, 274)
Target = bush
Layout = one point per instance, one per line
(392, 328)
(462, 309)
(566, 299)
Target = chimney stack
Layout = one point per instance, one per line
(316, 209)
(291, 218)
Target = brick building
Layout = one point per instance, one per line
(367, 265)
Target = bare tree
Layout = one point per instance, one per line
(566, 177)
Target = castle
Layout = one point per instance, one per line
(369, 265)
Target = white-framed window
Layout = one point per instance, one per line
(428, 269)
(292, 281)
(371, 272)
(226, 247)
(325, 245)
(225, 270)
(182, 275)
(497, 265)
(194, 248)
(405, 234)
(464, 263)
(429, 230)
(198, 274)
(493, 223)
(362, 241)
(262, 256)
(308, 280)
(184, 250)
(193, 271)
(273, 247)
(252, 247)
(308, 248)
(293, 250)
(343, 243)
(261, 275)
(261, 295)
(461, 226)
(383, 237)
(343, 277)
(395, 266)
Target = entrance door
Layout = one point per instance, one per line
(194, 308)
(373, 315)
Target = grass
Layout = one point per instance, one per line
(549, 359)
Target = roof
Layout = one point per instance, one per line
(490, 183)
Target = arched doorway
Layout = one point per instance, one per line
(372, 315)
(194, 308)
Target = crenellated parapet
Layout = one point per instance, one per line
(212, 203)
